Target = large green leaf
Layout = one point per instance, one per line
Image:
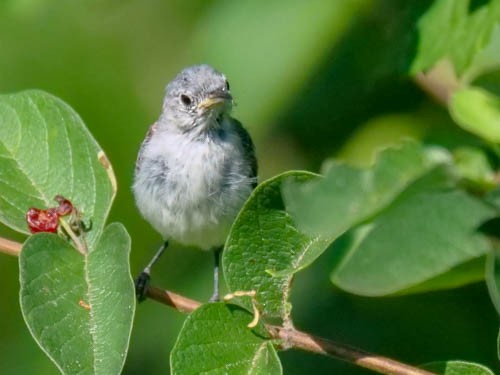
(46, 150)
(265, 249)
(425, 233)
(347, 196)
(404, 221)
(468, 38)
(79, 308)
(215, 339)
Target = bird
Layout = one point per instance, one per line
(195, 169)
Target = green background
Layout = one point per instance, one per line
(312, 79)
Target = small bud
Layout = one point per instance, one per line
(65, 206)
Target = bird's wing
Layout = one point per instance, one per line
(248, 146)
(149, 134)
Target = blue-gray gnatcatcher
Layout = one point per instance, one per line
(195, 168)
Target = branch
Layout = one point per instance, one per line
(291, 337)
(10, 247)
(440, 82)
(303, 341)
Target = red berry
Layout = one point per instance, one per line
(42, 220)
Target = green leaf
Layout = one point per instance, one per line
(79, 308)
(477, 111)
(215, 339)
(457, 368)
(45, 150)
(265, 249)
(465, 273)
(404, 222)
(488, 59)
(472, 164)
(450, 30)
(347, 196)
(425, 233)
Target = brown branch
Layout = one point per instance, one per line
(10, 247)
(178, 302)
(303, 341)
(440, 82)
(291, 337)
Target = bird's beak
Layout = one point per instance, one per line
(218, 99)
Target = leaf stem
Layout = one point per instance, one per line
(80, 245)
(440, 82)
(291, 337)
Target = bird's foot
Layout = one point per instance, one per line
(141, 285)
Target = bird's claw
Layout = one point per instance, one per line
(141, 285)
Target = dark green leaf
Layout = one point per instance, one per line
(215, 339)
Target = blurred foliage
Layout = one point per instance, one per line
(312, 80)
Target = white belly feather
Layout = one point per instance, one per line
(191, 191)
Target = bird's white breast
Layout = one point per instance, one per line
(191, 190)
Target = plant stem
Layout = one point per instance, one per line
(291, 337)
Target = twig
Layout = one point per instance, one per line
(307, 342)
(440, 82)
(290, 336)
(304, 341)
(10, 247)
(178, 302)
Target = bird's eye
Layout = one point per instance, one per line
(186, 100)
(227, 86)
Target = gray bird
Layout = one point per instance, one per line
(196, 166)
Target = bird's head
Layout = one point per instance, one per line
(196, 100)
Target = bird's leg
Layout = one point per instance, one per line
(215, 295)
(142, 281)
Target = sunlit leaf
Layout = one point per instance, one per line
(79, 308)
(477, 111)
(265, 249)
(46, 150)
(451, 29)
